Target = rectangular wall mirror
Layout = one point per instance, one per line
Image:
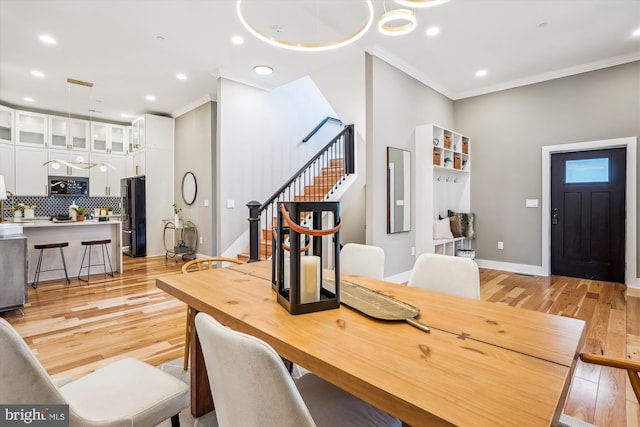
(398, 190)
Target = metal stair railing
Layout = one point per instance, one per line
(314, 181)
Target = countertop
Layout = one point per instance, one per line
(45, 222)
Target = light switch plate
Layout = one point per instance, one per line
(531, 203)
(231, 204)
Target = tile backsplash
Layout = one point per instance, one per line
(59, 205)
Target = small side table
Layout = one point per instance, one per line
(180, 240)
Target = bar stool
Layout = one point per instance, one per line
(88, 245)
(36, 279)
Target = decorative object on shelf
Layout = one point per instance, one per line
(447, 141)
(456, 160)
(465, 145)
(18, 210)
(189, 188)
(436, 157)
(298, 45)
(436, 141)
(464, 164)
(80, 211)
(176, 215)
(307, 291)
(446, 161)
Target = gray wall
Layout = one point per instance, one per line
(395, 105)
(194, 139)
(508, 129)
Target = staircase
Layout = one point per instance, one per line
(315, 181)
(322, 185)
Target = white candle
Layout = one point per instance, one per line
(309, 279)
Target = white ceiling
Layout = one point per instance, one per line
(114, 44)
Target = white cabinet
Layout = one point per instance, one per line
(137, 139)
(136, 163)
(104, 180)
(31, 129)
(68, 134)
(6, 124)
(107, 138)
(440, 185)
(31, 175)
(8, 166)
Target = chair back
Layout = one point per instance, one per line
(249, 383)
(362, 260)
(448, 274)
(206, 263)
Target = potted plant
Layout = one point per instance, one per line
(447, 160)
(80, 211)
(176, 215)
(18, 211)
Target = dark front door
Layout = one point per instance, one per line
(588, 214)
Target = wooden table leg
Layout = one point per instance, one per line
(201, 398)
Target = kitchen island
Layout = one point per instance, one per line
(43, 231)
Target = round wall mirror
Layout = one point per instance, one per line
(189, 188)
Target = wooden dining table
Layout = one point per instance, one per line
(482, 364)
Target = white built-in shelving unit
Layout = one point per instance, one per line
(443, 181)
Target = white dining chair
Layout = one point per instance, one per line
(362, 260)
(251, 386)
(449, 274)
(125, 393)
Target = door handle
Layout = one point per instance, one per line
(554, 216)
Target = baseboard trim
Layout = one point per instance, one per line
(535, 270)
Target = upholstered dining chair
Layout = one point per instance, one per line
(251, 386)
(631, 366)
(362, 260)
(200, 264)
(448, 274)
(125, 393)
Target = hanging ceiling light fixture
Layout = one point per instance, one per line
(420, 3)
(306, 47)
(80, 165)
(397, 22)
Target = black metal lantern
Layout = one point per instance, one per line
(300, 281)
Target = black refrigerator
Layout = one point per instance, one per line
(134, 228)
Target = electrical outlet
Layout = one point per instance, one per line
(413, 250)
(500, 245)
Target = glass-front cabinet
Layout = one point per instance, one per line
(58, 128)
(31, 129)
(78, 135)
(6, 125)
(106, 138)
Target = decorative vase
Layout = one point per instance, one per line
(176, 221)
(17, 214)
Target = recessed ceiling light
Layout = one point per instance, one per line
(636, 33)
(150, 98)
(29, 99)
(181, 76)
(432, 31)
(47, 39)
(481, 73)
(263, 70)
(37, 73)
(237, 40)
(124, 116)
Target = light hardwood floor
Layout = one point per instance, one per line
(76, 329)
